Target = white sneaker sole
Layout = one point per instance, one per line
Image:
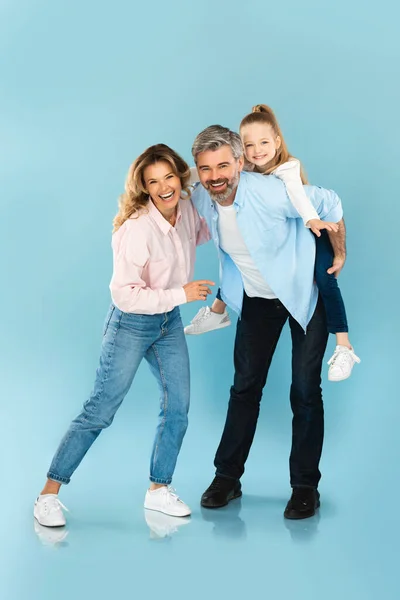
(164, 512)
(336, 379)
(222, 326)
(46, 524)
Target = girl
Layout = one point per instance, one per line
(266, 152)
(154, 242)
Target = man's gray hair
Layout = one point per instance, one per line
(214, 137)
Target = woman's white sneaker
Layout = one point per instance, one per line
(48, 511)
(206, 320)
(165, 500)
(342, 363)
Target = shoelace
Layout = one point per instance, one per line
(218, 484)
(171, 492)
(340, 357)
(202, 314)
(54, 504)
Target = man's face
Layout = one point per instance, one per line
(219, 173)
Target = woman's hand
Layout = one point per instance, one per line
(197, 290)
(316, 225)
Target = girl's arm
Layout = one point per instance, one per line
(289, 173)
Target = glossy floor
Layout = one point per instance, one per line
(111, 547)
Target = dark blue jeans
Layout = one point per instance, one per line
(257, 335)
(327, 285)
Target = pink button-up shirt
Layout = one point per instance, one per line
(153, 260)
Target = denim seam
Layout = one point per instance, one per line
(160, 481)
(165, 405)
(58, 478)
(108, 365)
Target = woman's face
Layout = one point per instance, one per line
(163, 186)
(260, 143)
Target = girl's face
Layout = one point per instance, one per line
(163, 186)
(260, 143)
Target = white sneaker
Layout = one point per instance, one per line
(162, 526)
(207, 320)
(165, 500)
(48, 511)
(342, 363)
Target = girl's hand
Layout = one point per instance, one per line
(197, 290)
(316, 225)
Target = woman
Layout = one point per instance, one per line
(154, 242)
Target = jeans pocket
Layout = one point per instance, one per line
(108, 319)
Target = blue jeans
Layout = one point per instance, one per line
(336, 319)
(329, 290)
(127, 339)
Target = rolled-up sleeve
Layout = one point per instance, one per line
(128, 289)
(327, 203)
(202, 232)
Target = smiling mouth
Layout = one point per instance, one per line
(260, 157)
(167, 196)
(216, 186)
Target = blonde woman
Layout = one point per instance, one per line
(154, 242)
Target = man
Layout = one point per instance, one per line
(267, 276)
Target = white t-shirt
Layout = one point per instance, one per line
(231, 242)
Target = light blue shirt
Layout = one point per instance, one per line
(282, 249)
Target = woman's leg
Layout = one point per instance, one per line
(168, 359)
(125, 343)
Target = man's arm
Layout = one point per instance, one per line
(338, 241)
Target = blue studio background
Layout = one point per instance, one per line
(84, 88)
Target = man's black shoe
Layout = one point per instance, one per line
(303, 503)
(221, 491)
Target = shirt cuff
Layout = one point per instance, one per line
(312, 214)
(179, 296)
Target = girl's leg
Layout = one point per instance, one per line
(330, 292)
(169, 362)
(344, 358)
(218, 306)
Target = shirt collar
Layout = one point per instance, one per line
(162, 223)
(240, 191)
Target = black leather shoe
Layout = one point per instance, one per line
(221, 491)
(303, 503)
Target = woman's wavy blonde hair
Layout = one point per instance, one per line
(261, 113)
(136, 198)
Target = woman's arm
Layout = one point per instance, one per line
(129, 291)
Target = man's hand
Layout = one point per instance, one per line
(338, 264)
(316, 225)
(338, 241)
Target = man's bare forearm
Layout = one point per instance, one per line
(338, 240)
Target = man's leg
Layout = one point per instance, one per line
(257, 335)
(308, 413)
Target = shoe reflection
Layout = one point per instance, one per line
(51, 536)
(303, 531)
(163, 526)
(226, 520)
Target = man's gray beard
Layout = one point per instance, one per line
(223, 197)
